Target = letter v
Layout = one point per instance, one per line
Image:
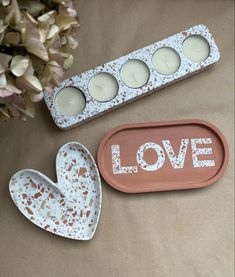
(176, 162)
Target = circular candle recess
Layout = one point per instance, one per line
(70, 101)
(103, 87)
(134, 73)
(196, 49)
(166, 60)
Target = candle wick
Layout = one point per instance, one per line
(100, 87)
(135, 77)
(168, 64)
(70, 102)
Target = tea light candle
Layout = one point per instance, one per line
(103, 87)
(196, 49)
(166, 60)
(134, 73)
(70, 101)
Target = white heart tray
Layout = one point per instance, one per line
(68, 208)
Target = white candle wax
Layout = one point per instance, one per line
(134, 73)
(166, 60)
(103, 87)
(196, 49)
(70, 101)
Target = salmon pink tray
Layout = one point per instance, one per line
(162, 156)
(68, 208)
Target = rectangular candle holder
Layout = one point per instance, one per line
(125, 94)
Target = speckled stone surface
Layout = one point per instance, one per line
(126, 94)
(68, 208)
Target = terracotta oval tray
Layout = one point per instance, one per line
(68, 208)
(162, 156)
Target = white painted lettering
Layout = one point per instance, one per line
(140, 156)
(201, 151)
(116, 161)
(176, 162)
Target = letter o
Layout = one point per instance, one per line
(140, 156)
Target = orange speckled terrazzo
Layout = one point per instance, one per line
(68, 208)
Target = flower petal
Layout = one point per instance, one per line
(5, 2)
(68, 62)
(54, 29)
(31, 39)
(37, 97)
(19, 65)
(5, 59)
(47, 18)
(2, 69)
(4, 92)
(29, 83)
(55, 55)
(13, 88)
(56, 72)
(3, 80)
(30, 69)
(65, 22)
(44, 23)
(29, 110)
(33, 7)
(12, 38)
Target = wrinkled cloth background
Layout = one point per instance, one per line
(169, 234)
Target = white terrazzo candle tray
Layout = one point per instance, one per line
(125, 94)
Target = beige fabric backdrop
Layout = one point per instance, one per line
(170, 234)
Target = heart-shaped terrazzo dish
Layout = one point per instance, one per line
(68, 208)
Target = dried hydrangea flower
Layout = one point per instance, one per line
(36, 39)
